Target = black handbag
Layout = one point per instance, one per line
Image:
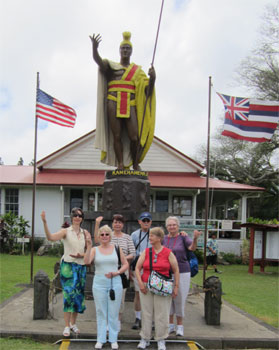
(125, 280)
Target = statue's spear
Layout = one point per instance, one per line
(144, 110)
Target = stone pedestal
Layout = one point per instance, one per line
(41, 290)
(213, 300)
(126, 191)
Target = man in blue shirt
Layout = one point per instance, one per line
(140, 238)
(212, 252)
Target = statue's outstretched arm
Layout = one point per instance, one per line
(96, 39)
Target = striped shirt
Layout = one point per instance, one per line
(125, 242)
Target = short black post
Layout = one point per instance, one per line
(41, 291)
(213, 300)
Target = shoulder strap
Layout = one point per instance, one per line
(85, 244)
(118, 254)
(186, 249)
(141, 239)
(150, 258)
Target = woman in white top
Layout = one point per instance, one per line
(72, 268)
(122, 240)
(107, 278)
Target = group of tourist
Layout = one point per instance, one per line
(112, 254)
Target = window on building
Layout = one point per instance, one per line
(162, 202)
(76, 199)
(11, 200)
(91, 201)
(100, 201)
(182, 205)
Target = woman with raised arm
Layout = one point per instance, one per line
(72, 268)
(107, 284)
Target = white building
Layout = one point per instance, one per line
(73, 176)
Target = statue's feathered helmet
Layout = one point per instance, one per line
(126, 39)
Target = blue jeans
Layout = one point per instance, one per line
(107, 310)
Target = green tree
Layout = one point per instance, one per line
(259, 72)
(252, 163)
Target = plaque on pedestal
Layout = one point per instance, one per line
(126, 191)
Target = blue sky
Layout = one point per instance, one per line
(197, 39)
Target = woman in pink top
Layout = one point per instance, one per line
(155, 305)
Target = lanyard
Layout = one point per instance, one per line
(141, 239)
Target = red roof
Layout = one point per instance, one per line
(23, 175)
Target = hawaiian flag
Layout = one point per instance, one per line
(248, 119)
(54, 111)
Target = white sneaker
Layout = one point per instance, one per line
(114, 345)
(180, 331)
(161, 345)
(171, 328)
(143, 344)
(98, 345)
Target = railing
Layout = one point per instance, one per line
(224, 229)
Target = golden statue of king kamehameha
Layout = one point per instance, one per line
(125, 107)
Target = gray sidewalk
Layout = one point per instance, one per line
(238, 330)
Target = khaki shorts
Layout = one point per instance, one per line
(135, 281)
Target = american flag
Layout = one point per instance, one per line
(249, 119)
(54, 111)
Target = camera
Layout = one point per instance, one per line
(112, 294)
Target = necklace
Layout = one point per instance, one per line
(159, 251)
(77, 232)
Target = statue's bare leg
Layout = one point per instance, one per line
(132, 128)
(116, 125)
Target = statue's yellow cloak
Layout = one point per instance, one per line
(104, 136)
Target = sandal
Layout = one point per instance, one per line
(74, 328)
(66, 332)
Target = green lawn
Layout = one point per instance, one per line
(15, 269)
(257, 294)
(25, 344)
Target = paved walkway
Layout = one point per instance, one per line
(238, 330)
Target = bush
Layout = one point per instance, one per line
(56, 249)
(199, 255)
(37, 243)
(232, 258)
(245, 246)
(12, 227)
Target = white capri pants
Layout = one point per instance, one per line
(178, 303)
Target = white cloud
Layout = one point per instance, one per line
(197, 38)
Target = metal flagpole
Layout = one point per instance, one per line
(145, 104)
(34, 183)
(207, 181)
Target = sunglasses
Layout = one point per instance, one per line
(77, 216)
(155, 258)
(145, 220)
(104, 234)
